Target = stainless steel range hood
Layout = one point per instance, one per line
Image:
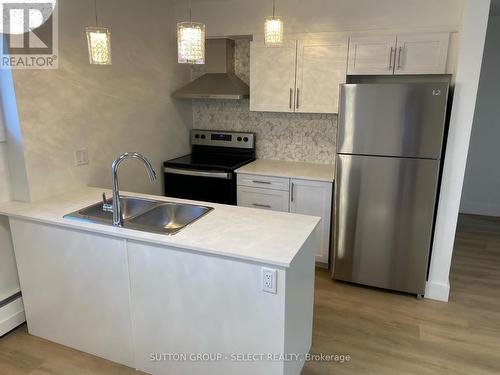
(219, 82)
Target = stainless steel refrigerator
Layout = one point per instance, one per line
(389, 146)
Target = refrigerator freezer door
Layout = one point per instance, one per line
(405, 120)
(384, 213)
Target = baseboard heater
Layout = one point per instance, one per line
(11, 313)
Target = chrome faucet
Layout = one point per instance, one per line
(116, 207)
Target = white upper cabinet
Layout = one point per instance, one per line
(398, 54)
(304, 75)
(422, 53)
(321, 68)
(272, 77)
(372, 55)
(300, 76)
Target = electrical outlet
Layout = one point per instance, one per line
(81, 157)
(269, 280)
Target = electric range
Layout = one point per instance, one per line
(208, 173)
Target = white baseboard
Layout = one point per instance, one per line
(437, 291)
(11, 315)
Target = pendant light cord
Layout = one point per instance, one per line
(190, 11)
(274, 8)
(95, 9)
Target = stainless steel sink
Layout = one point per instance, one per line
(145, 215)
(170, 217)
(130, 207)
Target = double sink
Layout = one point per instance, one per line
(145, 215)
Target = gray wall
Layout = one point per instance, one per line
(481, 194)
(9, 283)
(4, 174)
(107, 109)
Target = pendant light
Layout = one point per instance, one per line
(273, 29)
(99, 42)
(190, 41)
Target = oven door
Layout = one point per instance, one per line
(208, 186)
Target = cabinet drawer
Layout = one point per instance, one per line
(264, 182)
(267, 199)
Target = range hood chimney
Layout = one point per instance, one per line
(219, 82)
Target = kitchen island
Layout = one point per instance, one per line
(188, 303)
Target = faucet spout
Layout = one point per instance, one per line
(117, 209)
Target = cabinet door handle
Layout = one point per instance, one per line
(391, 58)
(261, 205)
(291, 95)
(399, 57)
(261, 182)
(298, 98)
(291, 191)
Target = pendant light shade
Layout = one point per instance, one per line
(191, 43)
(273, 29)
(99, 42)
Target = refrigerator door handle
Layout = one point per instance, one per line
(391, 58)
(399, 57)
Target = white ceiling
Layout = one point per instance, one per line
(495, 8)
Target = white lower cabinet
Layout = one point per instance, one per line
(314, 198)
(267, 182)
(304, 197)
(75, 288)
(160, 309)
(266, 199)
(184, 302)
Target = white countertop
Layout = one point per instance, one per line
(237, 232)
(290, 169)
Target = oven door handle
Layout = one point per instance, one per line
(197, 173)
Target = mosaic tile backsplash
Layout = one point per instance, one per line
(280, 136)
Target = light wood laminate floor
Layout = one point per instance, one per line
(384, 333)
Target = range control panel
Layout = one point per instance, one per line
(222, 139)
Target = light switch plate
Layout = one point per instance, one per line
(81, 157)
